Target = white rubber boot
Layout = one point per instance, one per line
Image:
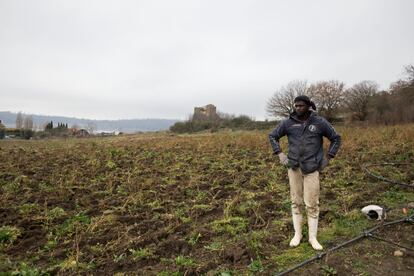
(297, 225)
(313, 230)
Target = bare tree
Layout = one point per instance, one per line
(395, 105)
(358, 97)
(19, 120)
(281, 103)
(328, 97)
(28, 122)
(225, 116)
(403, 83)
(409, 72)
(399, 84)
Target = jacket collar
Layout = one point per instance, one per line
(294, 117)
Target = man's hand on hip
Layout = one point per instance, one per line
(325, 162)
(283, 158)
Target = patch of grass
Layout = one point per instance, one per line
(215, 246)
(26, 270)
(156, 204)
(190, 192)
(28, 208)
(328, 270)
(110, 164)
(254, 241)
(256, 266)
(247, 206)
(56, 212)
(70, 225)
(395, 196)
(8, 234)
(97, 248)
(349, 225)
(286, 204)
(70, 264)
(230, 225)
(46, 187)
(141, 253)
(193, 240)
(119, 258)
(280, 224)
(122, 190)
(201, 196)
(359, 265)
(184, 262)
(11, 187)
(51, 244)
(202, 207)
(182, 214)
(293, 256)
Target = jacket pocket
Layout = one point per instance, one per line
(310, 165)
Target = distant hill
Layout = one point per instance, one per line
(127, 126)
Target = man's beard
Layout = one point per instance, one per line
(301, 114)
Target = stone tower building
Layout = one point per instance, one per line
(205, 113)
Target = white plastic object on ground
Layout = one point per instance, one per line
(374, 212)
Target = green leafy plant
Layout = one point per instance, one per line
(28, 208)
(328, 270)
(141, 253)
(256, 266)
(193, 240)
(230, 225)
(56, 212)
(69, 225)
(214, 246)
(8, 234)
(185, 262)
(119, 258)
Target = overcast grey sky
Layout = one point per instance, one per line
(159, 59)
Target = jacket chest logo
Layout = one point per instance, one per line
(312, 128)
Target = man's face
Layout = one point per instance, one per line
(301, 108)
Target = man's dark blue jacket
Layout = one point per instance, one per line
(305, 141)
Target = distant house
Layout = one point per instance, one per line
(107, 134)
(79, 132)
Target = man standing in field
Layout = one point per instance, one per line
(305, 131)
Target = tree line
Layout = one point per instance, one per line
(25, 128)
(361, 102)
(225, 121)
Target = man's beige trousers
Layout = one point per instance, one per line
(304, 187)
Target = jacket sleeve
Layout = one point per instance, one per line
(335, 138)
(275, 135)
